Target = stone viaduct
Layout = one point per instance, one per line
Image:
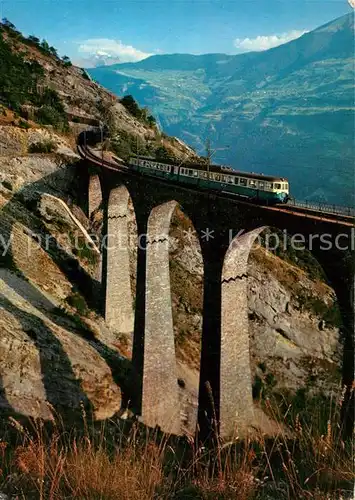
(225, 375)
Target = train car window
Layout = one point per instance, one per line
(252, 183)
(236, 180)
(243, 182)
(261, 185)
(195, 173)
(190, 172)
(277, 185)
(218, 177)
(268, 185)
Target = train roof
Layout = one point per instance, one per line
(218, 168)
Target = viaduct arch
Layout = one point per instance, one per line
(225, 340)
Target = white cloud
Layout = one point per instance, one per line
(97, 51)
(265, 42)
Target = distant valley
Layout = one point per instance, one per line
(288, 110)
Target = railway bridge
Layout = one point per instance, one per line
(233, 226)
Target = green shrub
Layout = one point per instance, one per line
(131, 105)
(20, 81)
(47, 146)
(126, 144)
(162, 153)
(23, 124)
(329, 314)
(76, 301)
(47, 115)
(82, 249)
(67, 62)
(141, 114)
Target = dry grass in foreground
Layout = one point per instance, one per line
(126, 461)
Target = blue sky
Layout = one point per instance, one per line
(90, 31)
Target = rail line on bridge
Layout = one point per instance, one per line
(301, 209)
(225, 308)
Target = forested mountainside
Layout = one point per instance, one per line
(288, 110)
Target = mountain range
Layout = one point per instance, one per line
(287, 111)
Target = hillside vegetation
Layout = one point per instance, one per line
(20, 80)
(286, 111)
(38, 88)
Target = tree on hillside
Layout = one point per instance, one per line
(53, 51)
(142, 114)
(51, 98)
(151, 120)
(45, 45)
(66, 60)
(34, 39)
(131, 105)
(162, 153)
(8, 24)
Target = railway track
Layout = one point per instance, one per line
(322, 207)
(296, 209)
(299, 209)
